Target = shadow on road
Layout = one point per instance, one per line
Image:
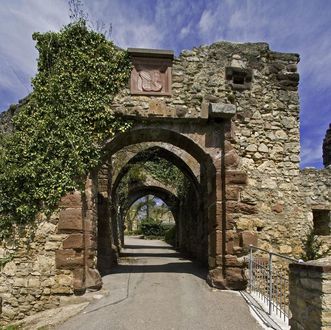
(130, 246)
(172, 267)
(146, 258)
(153, 255)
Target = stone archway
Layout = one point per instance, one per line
(205, 142)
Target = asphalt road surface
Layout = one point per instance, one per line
(154, 287)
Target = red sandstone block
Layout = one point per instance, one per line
(235, 177)
(73, 241)
(71, 200)
(68, 259)
(248, 238)
(70, 219)
(235, 278)
(229, 247)
(232, 261)
(231, 159)
(232, 193)
(78, 281)
(237, 207)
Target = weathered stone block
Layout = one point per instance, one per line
(231, 159)
(73, 241)
(237, 207)
(248, 238)
(232, 193)
(221, 110)
(235, 177)
(63, 284)
(71, 200)
(33, 282)
(235, 278)
(78, 279)
(70, 220)
(93, 279)
(232, 261)
(68, 259)
(278, 208)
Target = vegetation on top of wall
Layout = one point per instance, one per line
(313, 247)
(58, 134)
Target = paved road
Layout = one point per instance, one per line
(155, 288)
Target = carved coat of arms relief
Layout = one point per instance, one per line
(151, 72)
(149, 81)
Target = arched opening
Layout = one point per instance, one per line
(190, 209)
(148, 207)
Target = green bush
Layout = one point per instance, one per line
(151, 227)
(170, 235)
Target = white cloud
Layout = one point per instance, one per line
(185, 31)
(18, 20)
(311, 154)
(207, 23)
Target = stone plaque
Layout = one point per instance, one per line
(151, 73)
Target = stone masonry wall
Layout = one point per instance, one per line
(269, 200)
(316, 188)
(265, 131)
(30, 281)
(310, 295)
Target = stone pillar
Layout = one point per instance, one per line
(78, 253)
(92, 275)
(71, 256)
(105, 257)
(310, 295)
(229, 243)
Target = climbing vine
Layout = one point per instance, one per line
(58, 134)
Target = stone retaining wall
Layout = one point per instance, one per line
(310, 295)
(30, 281)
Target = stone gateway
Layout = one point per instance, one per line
(228, 116)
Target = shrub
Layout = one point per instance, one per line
(170, 235)
(151, 227)
(312, 247)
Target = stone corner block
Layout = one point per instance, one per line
(72, 200)
(68, 259)
(235, 177)
(248, 238)
(221, 110)
(70, 219)
(73, 241)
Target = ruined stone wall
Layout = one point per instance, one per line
(265, 135)
(52, 259)
(30, 281)
(269, 200)
(316, 188)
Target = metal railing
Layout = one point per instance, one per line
(269, 281)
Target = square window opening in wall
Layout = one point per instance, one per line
(322, 222)
(239, 78)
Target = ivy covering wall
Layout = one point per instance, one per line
(58, 134)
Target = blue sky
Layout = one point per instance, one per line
(300, 26)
